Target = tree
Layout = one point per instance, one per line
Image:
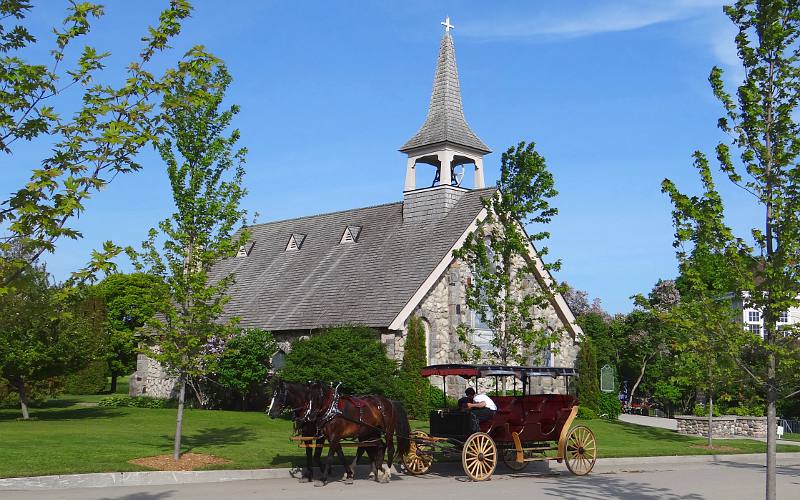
(206, 177)
(129, 300)
(509, 285)
(245, 363)
(89, 145)
(415, 387)
(45, 331)
(708, 334)
(352, 355)
(761, 124)
(646, 340)
(588, 383)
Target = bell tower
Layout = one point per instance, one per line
(445, 142)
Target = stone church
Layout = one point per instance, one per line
(378, 265)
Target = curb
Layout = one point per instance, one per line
(162, 478)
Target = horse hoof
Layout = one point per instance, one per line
(385, 478)
(305, 479)
(348, 480)
(318, 483)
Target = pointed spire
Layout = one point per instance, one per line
(445, 121)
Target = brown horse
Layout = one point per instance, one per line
(297, 399)
(365, 418)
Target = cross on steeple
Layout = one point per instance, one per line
(447, 25)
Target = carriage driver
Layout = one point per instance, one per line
(481, 405)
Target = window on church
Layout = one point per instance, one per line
(350, 234)
(784, 317)
(245, 249)
(295, 241)
(754, 329)
(754, 316)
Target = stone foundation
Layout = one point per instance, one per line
(728, 426)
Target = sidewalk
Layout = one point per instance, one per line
(157, 478)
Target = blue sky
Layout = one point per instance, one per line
(614, 94)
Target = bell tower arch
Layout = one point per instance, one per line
(445, 141)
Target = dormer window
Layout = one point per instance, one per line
(295, 241)
(351, 234)
(245, 249)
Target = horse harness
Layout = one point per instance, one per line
(335, 411)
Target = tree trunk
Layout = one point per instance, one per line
(638, 380)
(113, 383)
(23, 399)
(176, 452)
(772, 427)
(710, 419)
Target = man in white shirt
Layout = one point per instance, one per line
(481, 405)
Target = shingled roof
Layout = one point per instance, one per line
(445, 121)
(328, 283)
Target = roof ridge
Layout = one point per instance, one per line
(291, 219)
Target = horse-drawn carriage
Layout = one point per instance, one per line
(526, 427)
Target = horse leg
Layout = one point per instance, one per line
(380, 477)
(308, 472)
(318, 456)
(333, 445)
(389, 456)
(359, 453)
(348, 472)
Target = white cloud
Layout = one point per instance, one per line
(601, 17)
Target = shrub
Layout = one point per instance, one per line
(588, 386)
(609, 406)
(755, 410)
(244, 367)
(352, 355)
(702, 411)
(413, 387)
(437, 398)
(134, 402)
(38, 392)
(586, 413)
(89, 380)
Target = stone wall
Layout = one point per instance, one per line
(150, 379)
(444, 308)
(723, 427)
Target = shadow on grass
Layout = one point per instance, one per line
(143, 496)
(214, 436)
(77, 413)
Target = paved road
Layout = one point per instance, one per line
(724, 480)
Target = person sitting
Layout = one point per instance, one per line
(481, 405)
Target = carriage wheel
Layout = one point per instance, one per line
(509, 457)
(580, 450)
(419, 459)
(479, 456)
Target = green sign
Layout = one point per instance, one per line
(607, 379)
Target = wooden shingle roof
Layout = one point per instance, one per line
(327, 283)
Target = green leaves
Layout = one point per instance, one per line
(206, 174)
(98, 140)
(511, 287)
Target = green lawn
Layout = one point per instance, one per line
(791, 436)
(69, 437)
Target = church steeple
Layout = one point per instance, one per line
(445, 140)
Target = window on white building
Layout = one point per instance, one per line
(754, 316)
(784, 317)
(755, 329)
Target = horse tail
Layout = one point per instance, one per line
(402, 428)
